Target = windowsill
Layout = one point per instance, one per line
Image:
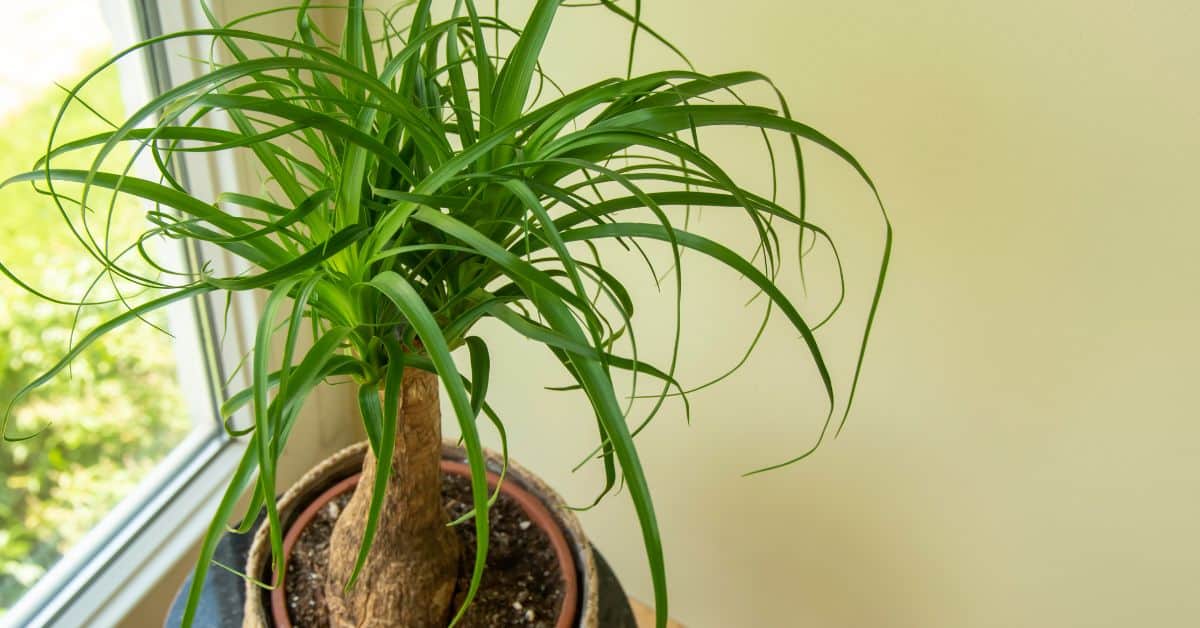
(103, 586)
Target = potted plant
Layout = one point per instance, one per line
(421, 179)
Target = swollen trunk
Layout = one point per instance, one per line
(410, 573)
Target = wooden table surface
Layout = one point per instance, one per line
(645, 616)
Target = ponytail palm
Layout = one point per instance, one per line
(421, 179)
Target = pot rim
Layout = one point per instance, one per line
(532, 505)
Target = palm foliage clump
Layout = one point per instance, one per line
(422, 179)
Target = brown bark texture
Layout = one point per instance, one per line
(409, 577)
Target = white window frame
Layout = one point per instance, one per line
(109, 572)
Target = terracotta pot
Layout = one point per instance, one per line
(339, 473)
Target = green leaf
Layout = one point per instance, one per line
(238, 484)
(480, 372)
(726, 256)
(308, 260)
(512, 87)
(133, 314)
(596, 382)
(259, 250)
(384, 446)
(406, 299)
(265, 422)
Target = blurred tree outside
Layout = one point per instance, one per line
(119, 411)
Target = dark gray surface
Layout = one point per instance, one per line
(224, 595)
(614, 604)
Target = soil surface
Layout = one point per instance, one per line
(522, 584)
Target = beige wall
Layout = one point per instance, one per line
(1024, 449)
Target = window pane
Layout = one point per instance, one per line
(119, 411)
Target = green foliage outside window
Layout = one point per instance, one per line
(56, 487)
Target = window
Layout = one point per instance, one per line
(115, 488)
